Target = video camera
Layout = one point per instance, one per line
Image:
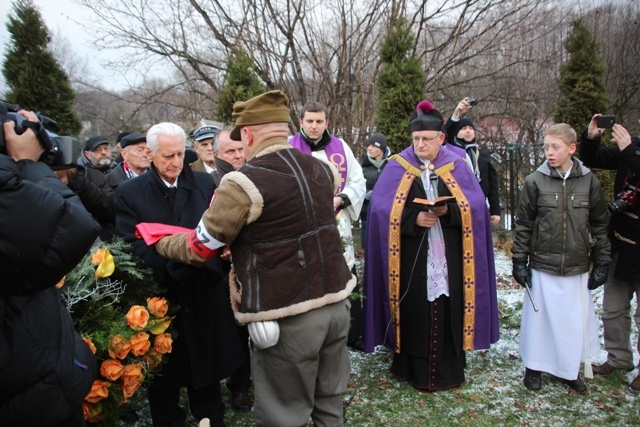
(59, 151)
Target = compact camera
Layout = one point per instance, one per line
(472, 102)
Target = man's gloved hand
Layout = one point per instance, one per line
(598, 275)
(77, 180)
(521, 272)
(264, 334)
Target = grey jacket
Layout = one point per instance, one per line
(562, 225)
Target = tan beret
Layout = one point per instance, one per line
(269, 107)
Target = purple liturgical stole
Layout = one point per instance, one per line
(334, 151)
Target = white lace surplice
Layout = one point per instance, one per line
(437, 272)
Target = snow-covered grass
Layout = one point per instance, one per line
(493, 394)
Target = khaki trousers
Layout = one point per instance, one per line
(304, 374)
(616, 319)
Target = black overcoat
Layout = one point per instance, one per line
(208, 347)
(46, 369)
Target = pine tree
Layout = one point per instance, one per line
(400, 86)
(34, 78)
(582, 89)
(581, 82)
(241, 83)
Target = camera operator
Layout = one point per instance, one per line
(46, 369)
(624, 232)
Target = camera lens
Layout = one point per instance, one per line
(618, 206)
(472, 101)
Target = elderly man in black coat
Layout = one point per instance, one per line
(207, 347)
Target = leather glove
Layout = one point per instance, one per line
(77, 182)
(521, 272)
(598, 275)
(264, 334)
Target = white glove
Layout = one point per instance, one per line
(264, 334)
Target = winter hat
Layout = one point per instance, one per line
(94, 141)
(378, 140)
(270, 107)
(121, 135)
(462, 123)
(133, 138)
(426, 117)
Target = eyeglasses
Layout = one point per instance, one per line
(417, 139)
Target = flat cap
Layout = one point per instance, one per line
(133, 138)
(205, 132)
(94, 141)
(269, 107)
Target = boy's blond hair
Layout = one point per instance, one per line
(564, 132)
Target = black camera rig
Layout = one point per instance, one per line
(58, 151)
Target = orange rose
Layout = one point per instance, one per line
(61, 282)
(92, 347)
(96, 257)
(139, 343)
(111, 369)
(119, 347)
(157, 306)
(163, 343)
(92, 413)
(99, 391)
(131, 380)
(137, 317)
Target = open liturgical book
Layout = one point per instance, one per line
(438, 201)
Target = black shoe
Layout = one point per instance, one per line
(533, 379)
(576, 385)
(240, 401)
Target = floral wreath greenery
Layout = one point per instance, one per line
(116, 307)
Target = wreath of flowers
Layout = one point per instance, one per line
(129, 340)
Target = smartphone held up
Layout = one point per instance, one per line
(605, 122)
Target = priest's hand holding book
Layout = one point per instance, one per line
(435, 208)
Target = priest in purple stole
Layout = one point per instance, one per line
(429, 281)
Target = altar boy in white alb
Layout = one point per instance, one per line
(561, 228)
